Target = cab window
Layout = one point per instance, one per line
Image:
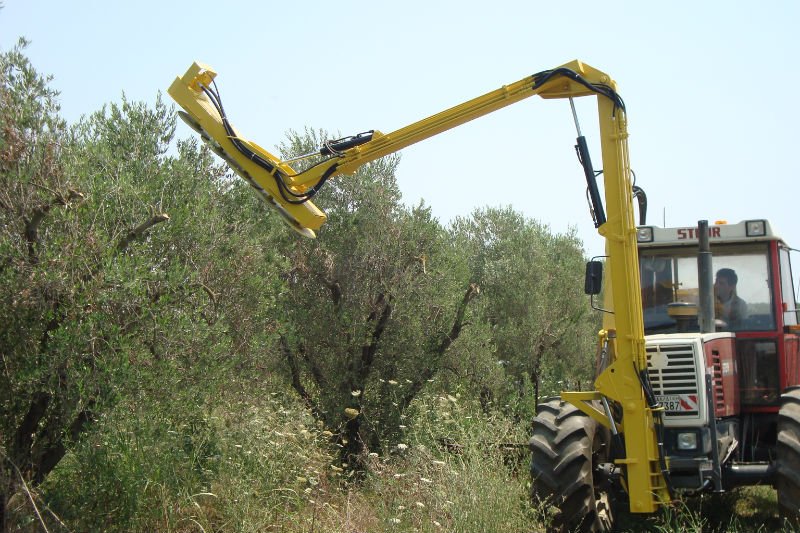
(787, 289)
(670, 291)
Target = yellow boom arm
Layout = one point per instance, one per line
(290, 193)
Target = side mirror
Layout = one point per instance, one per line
(593, 281)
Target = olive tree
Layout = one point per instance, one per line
(372, 306)
(126, 259)
(541, 327)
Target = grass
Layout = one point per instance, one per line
(242, 465)
(743, 510)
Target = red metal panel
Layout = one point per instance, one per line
(791, 348)
(720, 359)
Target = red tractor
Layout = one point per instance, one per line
(744, 427)
(722, 349)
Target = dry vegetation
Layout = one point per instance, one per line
(264, 465)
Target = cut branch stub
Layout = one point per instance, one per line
(140, 230)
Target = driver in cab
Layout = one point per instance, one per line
(729, 308)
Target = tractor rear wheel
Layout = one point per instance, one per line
(787, 461)
(566, 447)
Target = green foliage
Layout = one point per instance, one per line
(34, 286)
(538, 323)
(225, 463)
(120, 262)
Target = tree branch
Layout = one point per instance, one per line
(32, 224)
(427, 371)
(139, 230)
(331, 283)
(23, 438)
(124, 242)
(368, 351)
(48, 458)
(297, 384)
(32, 230)
(458, 322)
(316, 372)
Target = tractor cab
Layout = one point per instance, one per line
(754, 304)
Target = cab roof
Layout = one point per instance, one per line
(740, 232)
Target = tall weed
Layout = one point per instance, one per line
(235, 464)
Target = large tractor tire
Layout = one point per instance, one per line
(787, 455)
(566, 446)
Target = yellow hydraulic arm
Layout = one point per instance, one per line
(290, 193)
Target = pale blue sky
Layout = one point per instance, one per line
(709, 88)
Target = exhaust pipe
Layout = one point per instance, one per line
(641, 198)
(705, 278)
